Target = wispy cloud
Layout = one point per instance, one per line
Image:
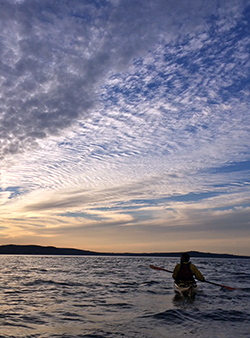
(124, 114)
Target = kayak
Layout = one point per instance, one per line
(186, 289)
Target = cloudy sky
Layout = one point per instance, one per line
(124, 124)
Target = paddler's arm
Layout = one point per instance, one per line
(197, 273)
(176, 271)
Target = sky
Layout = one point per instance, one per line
(124, 124)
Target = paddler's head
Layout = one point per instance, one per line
(185, 257)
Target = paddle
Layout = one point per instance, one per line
(223, 286)
(206, 281)
(156, 268)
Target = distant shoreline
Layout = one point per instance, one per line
(12, 249)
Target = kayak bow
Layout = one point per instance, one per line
(185, 289)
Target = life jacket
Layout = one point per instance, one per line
(185, 274)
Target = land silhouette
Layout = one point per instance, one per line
(12, 249)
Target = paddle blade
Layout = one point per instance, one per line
(155, 267)
(229, 287)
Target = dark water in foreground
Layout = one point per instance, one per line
(119, 297)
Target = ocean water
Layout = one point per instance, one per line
(94, 297)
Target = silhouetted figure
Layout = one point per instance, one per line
(185, 271)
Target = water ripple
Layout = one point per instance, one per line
(118, 297)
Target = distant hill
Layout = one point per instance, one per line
(12, 249)
(197, 254)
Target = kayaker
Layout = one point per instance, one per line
(185, 271)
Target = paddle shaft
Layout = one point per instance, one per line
(222, 286)
(157, 268)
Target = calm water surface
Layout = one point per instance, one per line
(119, 297)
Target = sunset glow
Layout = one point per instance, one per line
(124, 125)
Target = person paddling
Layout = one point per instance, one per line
(184, 272)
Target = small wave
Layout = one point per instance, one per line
(224, 316)
(180, 316)
(17, 324)
(51, 282)
(32, 320)
(38, 270)
(12, 292)
(100, 334)
(245, 289)
(171, 316)
(129, 284)
(118, 305)
(150, 283)
(68, 316)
